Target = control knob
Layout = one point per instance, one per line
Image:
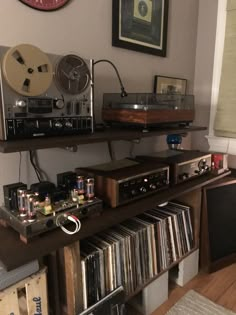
(21, 103)
(58, 125)
(202, 165)
(183, 176)
(153, 186)
(134, 192)
(59, 103)
(68, 124)
(143, 190)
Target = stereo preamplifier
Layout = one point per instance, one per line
(184, 164)
(44, 94)
(123, 181)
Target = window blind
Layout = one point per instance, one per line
(225, 119)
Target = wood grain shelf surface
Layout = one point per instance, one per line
(14, 253)
(109, 134)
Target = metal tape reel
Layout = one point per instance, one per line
(27, 70)
(72, 74)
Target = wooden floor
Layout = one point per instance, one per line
(220, 287)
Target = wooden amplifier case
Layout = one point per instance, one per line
(123, 181)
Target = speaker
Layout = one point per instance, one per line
(218, 222)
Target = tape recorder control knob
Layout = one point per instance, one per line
(68, 124)
(58, 125)
(59, 104)
(21, 103)
(153, 186)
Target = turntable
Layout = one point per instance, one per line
(148, 110)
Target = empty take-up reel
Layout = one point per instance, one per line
(72, 74)
(44, 94)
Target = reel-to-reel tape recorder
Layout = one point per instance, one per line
(44, 94)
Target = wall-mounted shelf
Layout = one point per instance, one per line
(53, 240)
(109, 134)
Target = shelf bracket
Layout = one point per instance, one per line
(111, 150)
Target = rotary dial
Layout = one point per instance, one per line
(45, 5)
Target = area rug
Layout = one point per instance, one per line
(192, 303)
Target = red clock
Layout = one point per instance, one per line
(45, 5)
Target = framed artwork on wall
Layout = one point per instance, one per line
(169, 85)
(140, 25)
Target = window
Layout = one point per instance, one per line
(222, 131)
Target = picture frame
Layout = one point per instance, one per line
(169, 85)
(140, 25)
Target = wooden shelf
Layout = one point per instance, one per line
(14, 253)
(110, 134)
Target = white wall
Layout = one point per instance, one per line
(84, 27)
(203, 80)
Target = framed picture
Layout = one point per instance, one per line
(169, 85)
(140, 25)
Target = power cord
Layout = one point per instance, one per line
(37, 172)
(19, 171)
(41, 175)
(42, 172)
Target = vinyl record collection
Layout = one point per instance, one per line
(134, 251)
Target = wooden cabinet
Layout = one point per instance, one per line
(61, 251)
(70, 255)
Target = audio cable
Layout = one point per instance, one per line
(61, 220)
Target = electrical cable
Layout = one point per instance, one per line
(73, 219)
(42, 173)
(19, 171)
(34, 166)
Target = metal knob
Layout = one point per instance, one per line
(59, 104)
(183, 176)
(21, 103)
(153, 186)
(68, 124)
(143, 189)
(58, 125)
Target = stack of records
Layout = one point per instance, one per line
(133, 252)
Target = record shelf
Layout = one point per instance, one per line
(56, 239)
(63, 253)
(189, 193)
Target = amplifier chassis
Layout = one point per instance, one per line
(126, 184)
(45, 223)
(184, 164)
